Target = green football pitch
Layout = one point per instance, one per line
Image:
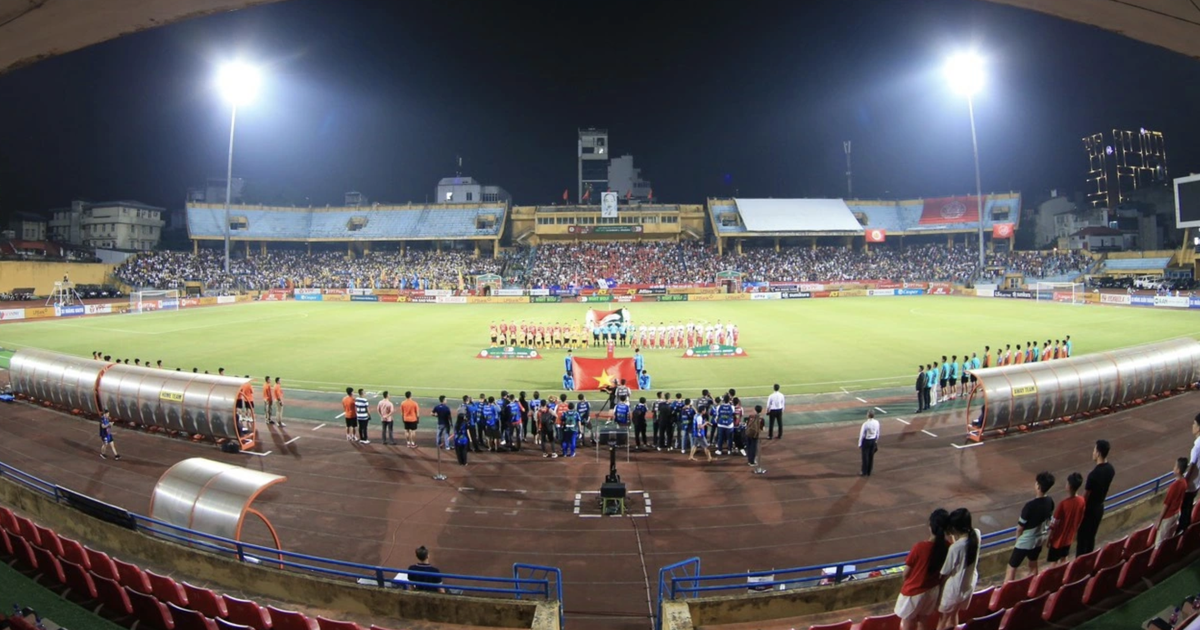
(807, 346)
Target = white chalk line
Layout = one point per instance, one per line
(902, 420)
(318, 426)
(973, 444)
(861, 400)
(881, 410)
(928, 433)
(292, 440)
(257, 454)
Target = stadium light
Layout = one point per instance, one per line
(238, 83)
(964, 73)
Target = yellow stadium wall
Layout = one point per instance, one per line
(42, 275)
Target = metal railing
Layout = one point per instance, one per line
(683, 579)
(516, 586)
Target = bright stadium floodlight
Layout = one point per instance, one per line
(964, 72)
(238, 83)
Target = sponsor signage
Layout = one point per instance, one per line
(309, 297)
(171, 396)
(169, 303)
(595, 298)
(774, 295)
(1194, 302)
(810, 286)
(796, 295)
(439, 292)
(652, 291)
(362, 292)
(545, 299)
(604, 229)
(674, 297)
(939, 289)
(336, 297)
(539, 292)
(714, 351)
(69, 311)
(10, 314)
(910, 291)
(226, 299)
(1024, 295)
(393, 298)
(423, 299)
(783, 286)
(1115, 298)
(364, 298)
(717, 297)
(499, 299)
(1170, 301)
(628, 298)
(451, 299)
(880, 292)
(306, 292)
(508, 292)
(889, 285)
(1024, 390)
(1141, 300)
(508, 352)
(335, 292)
(97, 309)
(45, 311)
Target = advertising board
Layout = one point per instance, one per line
(11, 314)
(309, 297)
(364, 298)
(773, 295)
(451, 299)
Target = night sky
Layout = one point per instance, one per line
(749, 98)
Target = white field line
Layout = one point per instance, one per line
(881, 410)
(902, 420)
(968, 445)
(861, 400)
(257, 454)
(928, 433)
(292, 440)
(318, 426)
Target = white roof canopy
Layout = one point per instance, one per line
(797, 215)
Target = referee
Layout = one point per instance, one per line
(775, 412)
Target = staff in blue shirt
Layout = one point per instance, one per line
(1067, 343)
(687, 417)
(639, 361)
(568, 382)
(585, 418)
(725, 425)
(491, 423)
(644, 380)
(569, 363)
(475, 410)
(621, 413)
(639, 424)
(514, 426)
(569, 427)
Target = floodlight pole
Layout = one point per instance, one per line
(233, 121)
(978, 185)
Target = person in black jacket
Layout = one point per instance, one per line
(920, 388)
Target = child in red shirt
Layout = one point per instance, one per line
(1172, 503)
(1067, 516)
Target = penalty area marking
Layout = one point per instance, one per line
(257, 454)
(967, 446)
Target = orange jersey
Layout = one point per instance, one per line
(348, 407)
(268, 393)
(409, 410)
(1019, 358)
(246, 392)
(278, 392)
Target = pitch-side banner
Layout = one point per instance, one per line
(947, 210)
(9, 314)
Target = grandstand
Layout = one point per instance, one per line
(476, 223)
(532, 225)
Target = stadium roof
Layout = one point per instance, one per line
(1172, 24)
(798, 215)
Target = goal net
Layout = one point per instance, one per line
(1067, 292)
(154, 300)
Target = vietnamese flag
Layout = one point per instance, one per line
(1002, 230)
(564, 194)
(875, 235)
(592, 374)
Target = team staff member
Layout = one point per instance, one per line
(362, 413)
(639, 424)
(754, 428)
(868, 443)
(245, 399)
(1094, 493)
(920, 388)
(462, 438)
(279, 401)
(268, 400)
(386, 409)
(445, 430)
(410, 413)
(348, 412)
(775, 404)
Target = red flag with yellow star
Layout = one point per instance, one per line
(594, 374)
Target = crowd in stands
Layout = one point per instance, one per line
(1033, 264)
(283, 269)
(588, 264)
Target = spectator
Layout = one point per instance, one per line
(1094, 493)
(1169, 519)
(919, 592)
(1067, 515)
(1033, 528)
(425, 573)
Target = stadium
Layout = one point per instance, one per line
(233, 375)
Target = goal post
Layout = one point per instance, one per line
(1066, 292)
(154, 300)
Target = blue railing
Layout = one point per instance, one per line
(675, 580)
(515, 586)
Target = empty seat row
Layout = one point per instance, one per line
(125, 592)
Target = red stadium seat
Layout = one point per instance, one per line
(149, 611)
(1162, 558)
(23, 554)
(102, 565)
(27, 530)
(1196, 512)
(1102, 586)
(843, 625)
(114, 602)
(49, 567)
(1010, 593)
(330, 624)
(204, 601)
(132, 576)
(979, 605)
(1025, 615)
(886, 622)
(6, 548)
(1190, 542)
(990, 622)
(49, 540)
(188, 619)
(290, 620)
(1048, 580)
(1134, 569)
(1111, 555)
(229, 625)
(167, 590)
(1081, 567)
(7, 522)
(79, 582)
(72, 551)
(1139, 540)
(1064, 602)
(247, 613)
(379, 628)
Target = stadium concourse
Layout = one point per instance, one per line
(374, 505)
(583, 264)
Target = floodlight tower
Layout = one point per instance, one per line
(238, 83)
(593, 163)
(964, 72)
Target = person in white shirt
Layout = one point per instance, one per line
(868, 443)
(1192, 475)
(775, 412)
